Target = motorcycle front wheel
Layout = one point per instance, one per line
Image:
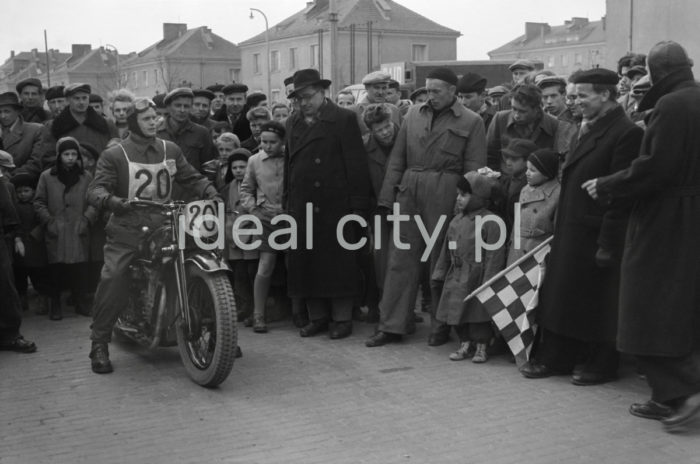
(208, 353)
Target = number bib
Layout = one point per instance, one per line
(152, 182)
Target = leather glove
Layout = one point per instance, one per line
(604, 258)
(118, 205)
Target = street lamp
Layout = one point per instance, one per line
(113, 49)
(267, 46)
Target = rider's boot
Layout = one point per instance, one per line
(99, 354)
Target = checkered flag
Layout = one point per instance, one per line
(510, 298)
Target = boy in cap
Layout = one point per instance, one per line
(218, 100)
(257, 116)
(201, 105)
(513, 179)
(96, 103)
(471, 92)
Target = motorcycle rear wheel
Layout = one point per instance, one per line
(209, 354)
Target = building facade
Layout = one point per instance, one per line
(23, 65)
(368, 33)
(578, 44)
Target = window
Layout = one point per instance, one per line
(578, 59)
(419, 52)
(274, 96)
(145, 78)
(293, 58)
(256, 63)
(134, 79)
(565, 60)
(313, 61)
(155, 76)
(550, 61)
(233, 75)
(274, 61)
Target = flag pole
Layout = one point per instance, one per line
(508, 269)
(48, 61)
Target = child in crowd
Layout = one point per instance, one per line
(280, 113)
(63, 210)
(256, 117)
(32, 264)
(243, 263)
(215, 169)
(513, 178)
(457, 272)
(538, 203)
(261, 195)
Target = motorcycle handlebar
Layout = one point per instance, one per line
(155, 204)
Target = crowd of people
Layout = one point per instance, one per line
(445, 189)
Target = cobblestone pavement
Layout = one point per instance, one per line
(294, 400)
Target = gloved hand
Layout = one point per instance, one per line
(604, 258)
(118, 205)
(212, 194)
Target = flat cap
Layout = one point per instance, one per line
(95, 98)
(519, 148)
(216, 88)
(642, 86)
(54, 92)
(206, 93)
(522, 64)
(289, 80)
(6, 160)
(443, 74)
(376, 77)
(600, 76)
(72, 89)
(416, 93)
(234, 88)
(177, 93)
(471, 82)
(31, 81)
(497, 91)
(636, 71)
(548, 81)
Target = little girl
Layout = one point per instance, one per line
(460, 273)
(261, 195)
(538, 203)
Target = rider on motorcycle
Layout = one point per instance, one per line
(142, 166)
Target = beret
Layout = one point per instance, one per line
(636, 71)
(94, 98)
(31, 81)
(548, 81)
(234, 88)
(599, 76)
(471, 82)
(216, 88)
(158, 100)
(444, 74)
(522, 64)
(289, 80)
(376, 77)
(176, 93)
(72, 89)
(519, 148)
(206, 93)
(274, 127)
(54, 92)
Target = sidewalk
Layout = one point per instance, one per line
(294, 400)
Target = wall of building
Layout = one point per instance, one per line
(562, 60)
(652, 22)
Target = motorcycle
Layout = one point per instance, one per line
(180, 294)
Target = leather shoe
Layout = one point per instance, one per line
(584, 378)
(313, 328)
(19, 345)
(683, 415)
(438, 338)
(382, 338)
(538, 371)
(651, 410)
(99, 355)
(341, 330)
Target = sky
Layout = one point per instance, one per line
(132, 25)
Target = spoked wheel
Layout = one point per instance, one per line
(208, 352)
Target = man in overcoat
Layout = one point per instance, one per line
(31, 93)
(326, 166)
(660, 276)
(19, 138)
(579, 297)
(437, 144)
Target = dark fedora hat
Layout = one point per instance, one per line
(9, 99)
(305, 78)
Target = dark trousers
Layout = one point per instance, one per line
(477, 332)
(10, 305)
(72, 276)
(563, 353)
(336, 309)
(671, 378)
(244, 271)
(112, 291)
(38, 276)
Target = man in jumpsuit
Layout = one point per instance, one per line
(119, 178)
(438, 143)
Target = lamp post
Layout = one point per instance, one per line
(113, 49)
(267, 46)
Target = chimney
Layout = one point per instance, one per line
(579, 22)
(12, 53)
(604, 21)
(534, 30)
(80, 50)
(172, 31)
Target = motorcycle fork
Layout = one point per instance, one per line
(181, 280)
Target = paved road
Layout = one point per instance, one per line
(293, 400)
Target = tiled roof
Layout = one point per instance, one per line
(558, 36)
(386, 16)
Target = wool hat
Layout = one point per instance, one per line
(274, 127)
(376, 77)
(234, 88)
(600, 76)
(30, 81)
(239, 154)
(6, 160)
(216, 88)
(546, 161)
(305, 78)
(72, 89)
(206, 93)
(519, 148)
(24, 180)
(444, 74)
(10, 99)
(65, 143)
(89, 150)
(522, 64)
(54, 92)
(482, 186)
(177, 93)
(94, 98)
(471, 82)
